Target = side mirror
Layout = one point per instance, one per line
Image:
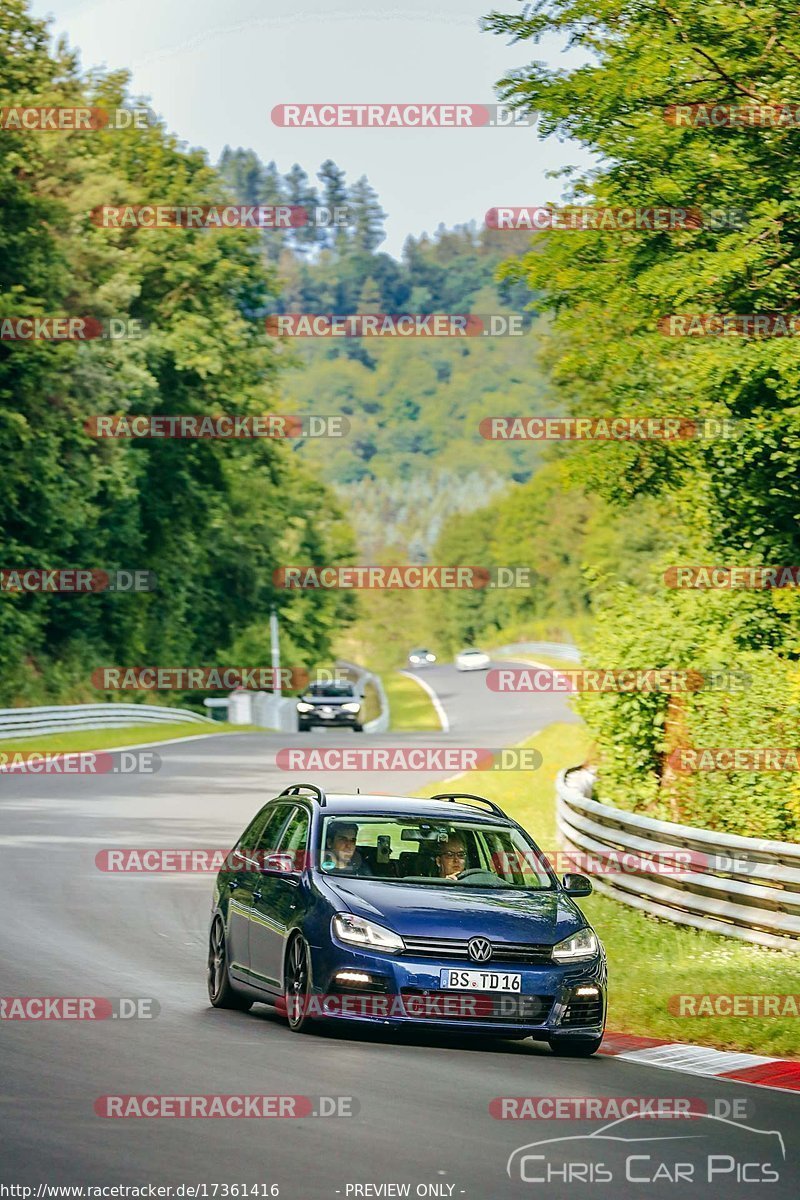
(577, 885)
(278, 864)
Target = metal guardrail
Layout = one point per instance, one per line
(742, 887)
(61, 718)
(555, 649)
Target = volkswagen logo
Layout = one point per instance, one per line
(479, 949)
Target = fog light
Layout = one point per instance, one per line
(352, 977)
(587, 991)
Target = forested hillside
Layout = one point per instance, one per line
(414, 454)
(211, 519)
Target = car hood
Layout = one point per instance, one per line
(444, 912)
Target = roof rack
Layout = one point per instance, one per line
(295, 789)
(455, 796)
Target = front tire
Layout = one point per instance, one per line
(358, 729)
(297, 986)
(221, 991)
(575, 1047)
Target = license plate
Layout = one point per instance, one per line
(480, 981)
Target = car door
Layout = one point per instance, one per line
(244, 877)
(277, 901)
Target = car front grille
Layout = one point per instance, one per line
(583, 1010)
(501, 1007)
(456, 948)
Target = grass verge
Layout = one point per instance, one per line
(650, 960)
(124, 735)
(410, 705)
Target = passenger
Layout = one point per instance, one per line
(452, 858)
(340, 848)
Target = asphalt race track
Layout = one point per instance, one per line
(422, 1101)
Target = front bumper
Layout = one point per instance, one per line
(334, 720)
(404, 990)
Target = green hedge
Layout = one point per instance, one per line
(635, 732)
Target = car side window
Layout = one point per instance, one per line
(268, 839)
(249, 838)
(294, 839)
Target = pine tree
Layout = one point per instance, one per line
(334, 195)
(368, 216)
(301, 193)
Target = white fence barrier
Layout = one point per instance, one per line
(743, 887)
(274, 712)
(62, 718)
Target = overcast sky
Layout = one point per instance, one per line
(214, 71)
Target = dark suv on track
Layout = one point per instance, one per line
(336, 704)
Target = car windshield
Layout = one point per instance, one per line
(434, 852)
(321, 691)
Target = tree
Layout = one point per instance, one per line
(334, 195)
(368, 216)
(212, 519)
(302, 194)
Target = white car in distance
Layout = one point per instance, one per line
(472, 660)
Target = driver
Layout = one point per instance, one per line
(452, 858)
(340, 849)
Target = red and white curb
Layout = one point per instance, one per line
(704, 1060)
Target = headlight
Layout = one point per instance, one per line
(579, 945)
(303, 707)
(358, 932)
(413, 658)
(351, 707)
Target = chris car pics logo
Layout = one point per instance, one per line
(711, 1150)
